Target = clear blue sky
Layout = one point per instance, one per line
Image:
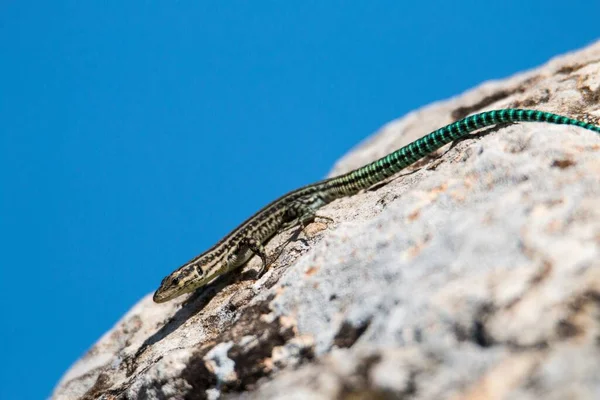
(133, 136)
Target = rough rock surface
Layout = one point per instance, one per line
(473, 274)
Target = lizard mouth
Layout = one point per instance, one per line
(159, 297)
(164, 295)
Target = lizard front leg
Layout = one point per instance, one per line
(257, 248)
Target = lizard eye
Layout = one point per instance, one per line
(175, 281)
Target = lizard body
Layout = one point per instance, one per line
(298, 207)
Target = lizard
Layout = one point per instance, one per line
(299, 206)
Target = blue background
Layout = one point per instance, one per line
(134, 135)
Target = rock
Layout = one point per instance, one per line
(473, 274)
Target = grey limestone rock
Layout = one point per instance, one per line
(473, 274)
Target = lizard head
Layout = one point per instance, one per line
(183, 280)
